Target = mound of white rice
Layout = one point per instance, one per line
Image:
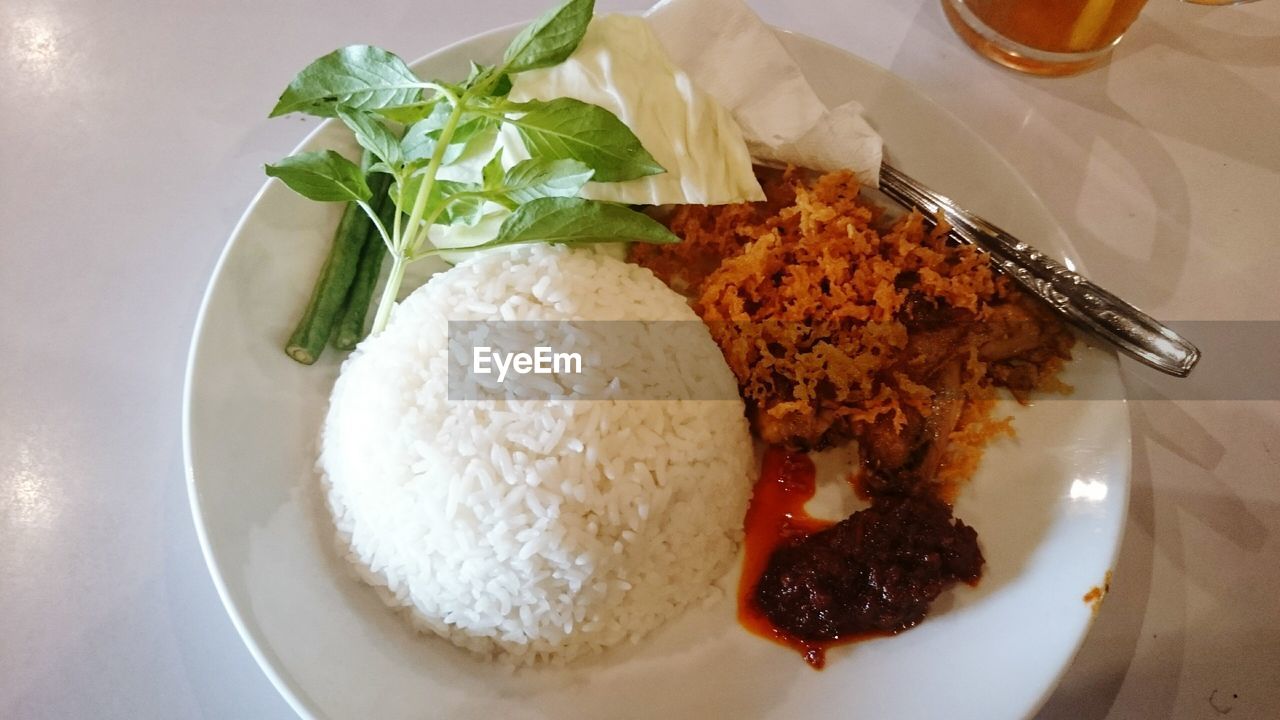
(541, 529)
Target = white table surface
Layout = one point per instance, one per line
(132, 136)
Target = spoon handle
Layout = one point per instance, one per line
(1074, 296)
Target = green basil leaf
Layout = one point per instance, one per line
(438, 117)
(457, 89)
(380, 167)
(501, 86)
(570, 129)
(491, 175)
(413, 112)
(325, 176)
(550, 39)
(478, 74)
(473, 127)
(577, 220)
(358, 76)
(488, 79)
(479, 138)
(420, 141)
(539, 177)
(412, 185)
(445, 188)
(463, 203)
(373, 135)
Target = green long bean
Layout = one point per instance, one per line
(333, 283)
(351, 328)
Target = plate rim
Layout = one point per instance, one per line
(284, 685)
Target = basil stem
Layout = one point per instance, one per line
(415, 232)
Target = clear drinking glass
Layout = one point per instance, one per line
(1047, 37)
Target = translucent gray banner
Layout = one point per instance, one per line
(1240, 360)
(678, 360)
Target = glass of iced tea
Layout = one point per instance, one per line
(1046, 37)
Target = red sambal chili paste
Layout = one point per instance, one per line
(811, 583)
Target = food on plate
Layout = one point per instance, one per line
(621, 66)
(516, 153)
(555, 519)
(344, 286)
(809, 583)
(839, 329)
(875, 571)
(436, 142)
(542, 529)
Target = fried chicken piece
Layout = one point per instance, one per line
(837, 329)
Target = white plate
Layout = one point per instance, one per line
(1049, 506)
